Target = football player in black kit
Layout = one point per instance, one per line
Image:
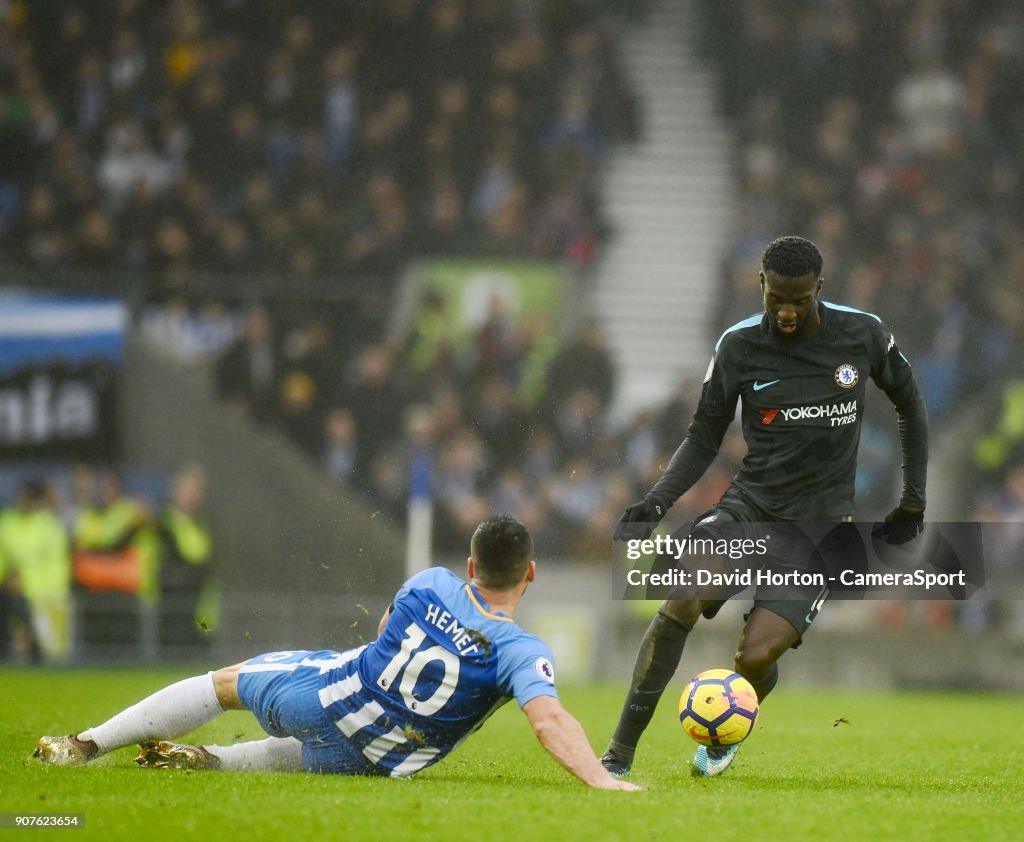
(799, 369)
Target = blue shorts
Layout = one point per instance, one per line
(282, 689)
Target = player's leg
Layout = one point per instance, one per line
(783, 612)
(764, 639)
(225, 684)
(170, 712)
(656, 662)
(282, 690)
(273, 753)
(662, 646)
(771, 629)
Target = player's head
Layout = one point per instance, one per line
(791, 282)
(792, 257)
(502, 551)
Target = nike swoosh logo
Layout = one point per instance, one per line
(759, 386)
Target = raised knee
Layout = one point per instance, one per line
(686, 612)
(753, 661)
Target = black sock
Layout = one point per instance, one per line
(656, 663)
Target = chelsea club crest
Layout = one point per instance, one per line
(847, 376)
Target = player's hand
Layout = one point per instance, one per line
(639, 520)
(901, 525)
(615, 783)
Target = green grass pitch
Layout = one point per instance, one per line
(831, 765)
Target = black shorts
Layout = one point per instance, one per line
(794, 568)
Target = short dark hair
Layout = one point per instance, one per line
(502, 549)
(792, 257)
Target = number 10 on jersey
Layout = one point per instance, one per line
(413, 660)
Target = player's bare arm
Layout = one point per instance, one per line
(565, 740)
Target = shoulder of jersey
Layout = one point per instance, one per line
(853, 313)
(749, 322)
(518, 646)
(434, 577)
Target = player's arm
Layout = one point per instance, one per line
(565, 740)
(692, 458)
(895, 377)
(913, 435)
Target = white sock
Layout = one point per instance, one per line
(281, 754)
(168, 713)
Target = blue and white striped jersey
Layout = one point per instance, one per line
(442, 665)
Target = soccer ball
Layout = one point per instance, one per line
(718, 708)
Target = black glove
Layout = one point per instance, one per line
(900, 526)
(639, 520)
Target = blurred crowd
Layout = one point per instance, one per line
(68, 534)
(304, 139)
(471, 419)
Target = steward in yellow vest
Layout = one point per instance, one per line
(188, 598)
(34, 545)
(118, 527)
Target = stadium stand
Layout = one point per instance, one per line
(249, 137)
(295, 138)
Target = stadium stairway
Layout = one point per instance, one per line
(298, 559)
(668, 199)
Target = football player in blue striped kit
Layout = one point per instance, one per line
(447, 656)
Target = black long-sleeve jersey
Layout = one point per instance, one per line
(802, 407)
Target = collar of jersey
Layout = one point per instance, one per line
(479, 603)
